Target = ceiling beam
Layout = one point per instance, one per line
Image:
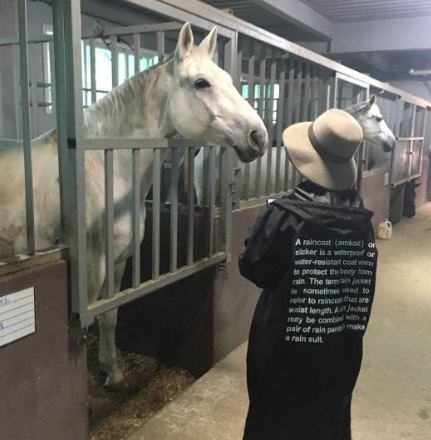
(382, 35)
(298, 13)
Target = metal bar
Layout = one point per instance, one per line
(190, 205)
(8, 41)
(137, 52)
(290, 108)
(174, 209)
(307, 94)
(131, 143)
(161, 44)
(109, 232)
(212, 193)
(93, 85)
(75, 129)
(26, 130)
(314, 92)
(270, 123)
(280, 125)
(261, 110)
(114, 63)
(61, 117)
(136, 255)
(156, 214)
(17, 90)
(137, 29)
(299, 69)
(52, 86)
(251, 98)
(33, 91)
(131, 294)
(230, 49)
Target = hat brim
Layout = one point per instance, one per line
(328, 174)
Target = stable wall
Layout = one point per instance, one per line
(43, 376)
(376, 196)
(198, 320)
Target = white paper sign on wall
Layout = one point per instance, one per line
(17, 316)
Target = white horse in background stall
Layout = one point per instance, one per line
(367, 114)
(188, 94)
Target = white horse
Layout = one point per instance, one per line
(367, 114)
(188, 94)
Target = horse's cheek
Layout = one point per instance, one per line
(186, 118)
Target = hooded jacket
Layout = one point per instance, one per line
(314, 255)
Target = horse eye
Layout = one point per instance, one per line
(202, 83)
(379, 118)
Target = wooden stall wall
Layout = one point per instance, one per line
(43, 376)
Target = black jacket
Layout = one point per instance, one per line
(314, 255)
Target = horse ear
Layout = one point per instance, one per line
(210, 42)
(372, 100)
(185, 42)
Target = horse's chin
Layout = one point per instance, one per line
(247, 156)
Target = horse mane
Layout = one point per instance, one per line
(120, 111)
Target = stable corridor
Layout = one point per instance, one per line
(392, 400)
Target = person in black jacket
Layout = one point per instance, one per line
(313, 252)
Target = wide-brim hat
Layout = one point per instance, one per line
(323, 151)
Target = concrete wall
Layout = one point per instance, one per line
(43, 376)
(376, 195)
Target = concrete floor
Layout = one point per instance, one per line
(392, 400)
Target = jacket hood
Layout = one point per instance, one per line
(337, 211)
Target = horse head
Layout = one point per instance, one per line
(373, 125)
(204, 104)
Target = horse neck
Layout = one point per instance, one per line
(133, 109)
(136, 109)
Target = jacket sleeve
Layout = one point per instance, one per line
(266, 256)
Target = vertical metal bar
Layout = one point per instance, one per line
(114, 64)
(75, 129)
(93, 84)
(270, 124)
(109, 213)
(161, 44)
(58, 87)
(174, 208)
(230, 49)
(212, 192)
(314, 96)
(34, 105)
(280, 125)
(298, 90)
(251, 97)
(290, 108)
(60, 102)
(263, 112)
(307, 94)
(109, 187)
(17, 89)
(156, 213)
(25, 108)
(52, 86)
(136, 255)
(136, 51)
(190, 205)
(299, 64)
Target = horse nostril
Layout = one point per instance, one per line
(256, 138)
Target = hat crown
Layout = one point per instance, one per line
(335, 135)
